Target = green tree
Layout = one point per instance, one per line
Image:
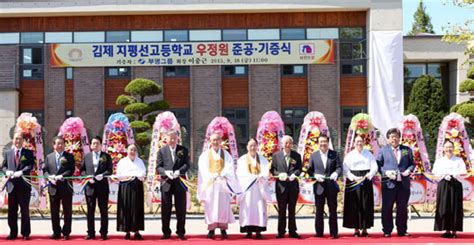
(140, 112)
(421, 21)
(428, 103)
(462, 34)
(466, 109)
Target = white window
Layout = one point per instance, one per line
(264, 34)
(205, 35)
(322, 33)
(31, 37)
(147, 36)
(9, 38)
(89, 37)
(58, 37)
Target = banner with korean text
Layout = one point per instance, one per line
(192, 53)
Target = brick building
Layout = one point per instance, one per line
(242, 93)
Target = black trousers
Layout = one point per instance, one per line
(102, 199)
(19, 198)
(63, 197)
(286, 200)
(180, 207)
(400, 195)
(320, 200)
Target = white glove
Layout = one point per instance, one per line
(447, 177)
(169, 174)
(176, 174)
(99, 177)
(406, 173)
(333, 176)
(59, 177)
(352, 177)
(292, 177)
(52, 179)
(141, 178)
(282, 176)
(391, 174)
(91, 181)
(368, 176)
(17, 174)
(319, 177)
(9, 173)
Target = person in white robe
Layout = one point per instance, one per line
(252, 174)
(131, 172)
(449, 170)
(216, 185)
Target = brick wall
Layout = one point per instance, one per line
(9, 57)
(89, 97)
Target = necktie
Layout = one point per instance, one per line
(395, 153)
(17, 157)
(57, 160)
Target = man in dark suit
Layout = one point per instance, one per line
(98, 164)
(286, 164)
(60, 164)
(173, 162)
(325, 165)
(395, 165)
(16, 163)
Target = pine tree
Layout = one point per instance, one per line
(421, 22)
(428, 103)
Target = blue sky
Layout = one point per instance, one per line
(441, 12)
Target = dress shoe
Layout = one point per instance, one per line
(258, 236)
(55, 236)
(26, 238)
(137, 236)
(249, 235)
(356, 234)
(89, 237)
(365, 234)
(127, 236)
(295, 235)
(66, 237)
(224, 235)
(104, 237)
(211, 234)
(280, 236)
(318, 235)
(404, 234)
(446, 235)
(165, 237)
(387, 235)
(181, 237)
(11, 237)
(454, 236)
(336, 236)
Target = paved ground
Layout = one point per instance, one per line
(195, 225)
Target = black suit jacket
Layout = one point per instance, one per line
(105, 168)
(165, 163)
(65, 169)
(25, 166)
(333, 164)
(279, 165)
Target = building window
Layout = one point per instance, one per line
(31, 63)
(353, 52)
(240, 120)
(176, 36)
(293, 119)
(32, 72)
(346, 117)
(237, 70)
(117, 36)
(412, 71)
(234, 35)
(147, 36)
(176, 71)
(293, 70)
(69, 113)
(183, 116)
(205, 35)
(31, 37)
(10, 38)
(58, 37)
(264, 34)
(293, 34)
(69, 73)
(118, 72)
(89, 37)
(322, 33)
